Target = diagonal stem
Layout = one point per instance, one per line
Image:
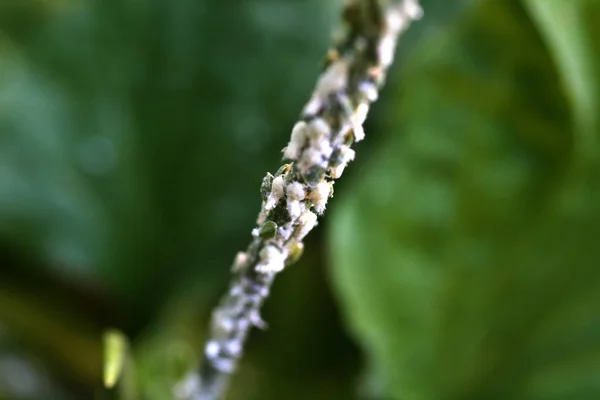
(318, 152)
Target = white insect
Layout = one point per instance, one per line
(297, 141)
(277, 192)
(295, 191)
(295, 208)
(319, 195)
(347, 155)
(308, 221)
(272, 260)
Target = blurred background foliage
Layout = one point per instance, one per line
(459, 259)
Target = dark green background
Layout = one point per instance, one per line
(459, 258)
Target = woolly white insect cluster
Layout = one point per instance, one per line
(277, 192)
(397, 19)
(307, 221)
(295, 191)
(296, 194)
(297, 141)
(310, 145)
(241, 258)
(272, 260)
(319, 195)
(319, 151)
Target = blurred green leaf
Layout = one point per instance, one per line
(133, 139)
(572, 33)
(464, 259)
(130, 156)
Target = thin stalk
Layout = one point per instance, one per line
(318, 151)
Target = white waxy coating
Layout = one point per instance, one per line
(311, 158)
(295, 208)
(308, 221)
(395, 20)
(320, 195)
(386, 50)
(318, 129)
(277, 191)
(370, 90)
(297, 141)
(212, 349)
(347, 155)
(272, 260)
(240, 260)
(322, 146)
(333, 80)
(337, 171)
(295, 191)
(413, 9)
(360, 115)
(312, 107)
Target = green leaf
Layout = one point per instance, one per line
(464, 259)
(130, 158)
(572, 33)
(133, 138)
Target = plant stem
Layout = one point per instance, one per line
(318, 152)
